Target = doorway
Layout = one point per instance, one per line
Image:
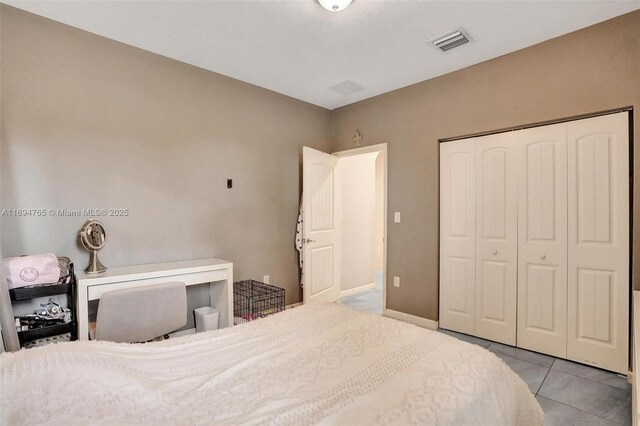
(361, 215)
(344, 227)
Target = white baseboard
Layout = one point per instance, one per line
(351, 291)
(419, 321)
(293, 305)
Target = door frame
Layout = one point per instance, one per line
(380, 148)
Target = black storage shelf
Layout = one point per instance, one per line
(25, 293)
(52, 330)
(43, 290)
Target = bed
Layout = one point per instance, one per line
(316, 364)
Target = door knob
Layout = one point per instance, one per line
(543, 256)
(309, 240)
(495, 252)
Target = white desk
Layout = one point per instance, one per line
(218, 273)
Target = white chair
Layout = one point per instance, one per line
(140, 314)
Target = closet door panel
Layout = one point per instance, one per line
(542, 239)
(496, 238)
(457, 235)
(598, 256)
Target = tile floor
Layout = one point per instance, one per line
(370, 300)
(569, 393)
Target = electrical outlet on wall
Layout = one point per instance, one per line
(396, 281)
(265, 279)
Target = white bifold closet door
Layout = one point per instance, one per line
(598, 255)
(457, 235)
(496, 237)
(551, 239)
(542, 239)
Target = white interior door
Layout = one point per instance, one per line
(542, 239)
(496, 237)
(457, 235)
(321, 250)
(598, 257)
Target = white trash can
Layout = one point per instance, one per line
(206, 319)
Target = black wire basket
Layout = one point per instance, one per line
(253, 300)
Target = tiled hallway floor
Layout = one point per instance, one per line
(370, 300)
(569, 393)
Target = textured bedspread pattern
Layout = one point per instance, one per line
(316, 364)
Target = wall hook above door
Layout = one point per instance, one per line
(357, 137)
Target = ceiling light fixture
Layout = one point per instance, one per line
(334, 5)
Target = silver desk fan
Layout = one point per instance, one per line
(93, 237)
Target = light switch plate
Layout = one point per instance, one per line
(396, 281)
(396, 217)
(265, 279)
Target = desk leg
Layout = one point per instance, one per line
(221, 298)
(83, 313)
(230, 296)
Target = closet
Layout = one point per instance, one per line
(534, 239)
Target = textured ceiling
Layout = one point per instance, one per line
(301, 50)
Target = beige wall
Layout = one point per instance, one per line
(92, 123)
(591, 70)
(8, 336)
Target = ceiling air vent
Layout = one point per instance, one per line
(451, 40)
(347, 87)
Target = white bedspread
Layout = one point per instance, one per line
(316, 364)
